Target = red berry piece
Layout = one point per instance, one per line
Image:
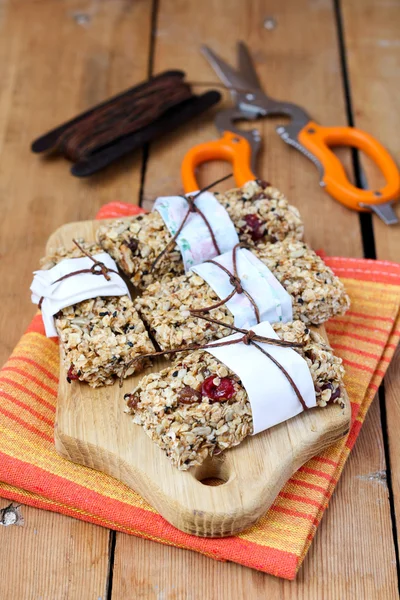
(71, 375)
(223, 391)
(132, 400)
(335, 394)
(254, 226)
(132, 244)
(263, 184)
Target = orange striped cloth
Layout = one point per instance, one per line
(33, 473)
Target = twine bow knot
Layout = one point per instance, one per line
(248, 337)
(235, 282)
(98, 268)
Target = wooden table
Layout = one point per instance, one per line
(341, 60)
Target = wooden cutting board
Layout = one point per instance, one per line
(93, 430)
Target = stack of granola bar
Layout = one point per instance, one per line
(197, 406)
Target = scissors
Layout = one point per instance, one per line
(240, 147)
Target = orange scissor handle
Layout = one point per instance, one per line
(230, 147)
(318, 139)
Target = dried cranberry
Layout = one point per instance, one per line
(132, 244)
(71, 375)
(254, 226)
(262, 183)
(188, 395)
(131, 400)
(336, 394)
(223, 391)
(326, 386)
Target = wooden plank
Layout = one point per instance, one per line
(293, 66)
(52, 67)
(373, 58)
(373, 55)
(353, 555)
(56, 59)
(52, 556)
(343, 562)
(392, 403)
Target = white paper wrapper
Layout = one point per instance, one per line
(73, 289)
(271, 396)
(273, 302)
(194, 241)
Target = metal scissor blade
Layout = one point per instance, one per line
(227, 74)
(384, 211)
(246, 66)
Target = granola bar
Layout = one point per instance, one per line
(259, 212)
(99, 336)
(136, 242)
(165, 306)
(177, 407)
(317, 294)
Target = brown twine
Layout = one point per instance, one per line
(98, 268)
(234, 280)
(192, 208)
(124, 115)
(249, 337)
(128, 113)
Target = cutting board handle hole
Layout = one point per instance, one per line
(212, 481)
(213, 472)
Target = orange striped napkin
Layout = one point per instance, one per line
(33, 473)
